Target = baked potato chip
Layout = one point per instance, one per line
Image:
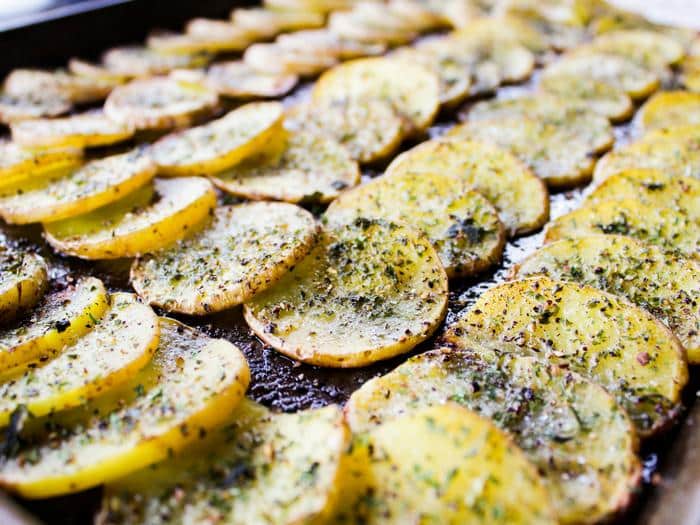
(292, 466)
(83, 130)
(316, 6)
(120, 344)
(310, 167)
(76, 89)
(144, 221)
(159, 103)
(669, 109)
(271, 58)
(58, 321)
(625, 349)
(665, 285)
(237, 79)
(542, 106)
(83, 68)
(192, 43)
(141, 61)
(68, 192)
(668, 228)
(221, 143)
(461, 224)
(266, 23)
(650, 49)
(23, 280)
(325, 42)
(570, 428)
(18, 164)
(245, 250)
(441, 464)
(505, 29)
(191, 386)
(519, 196)
(371, 28)
(369, 290)
(411, 89)
(14, 108)
(600, 97)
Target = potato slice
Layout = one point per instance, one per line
(238, 79)
(561, 32)
(519, 196)
(615, 70)
(665, 285)
(442, 464)
(23, 280)
(570, 428)
(220, 29)
(190, 387)
(602, 98)
(68, 192)
(369, 290)
(311, 167)
(650, 49)
(505, 29)
(461, 224)
(140, 61)
(271, 58)
(268, 23)
(83, 68)
(370, 28)
(197, 41)
(370, 129)
(14, 108)
(412, 90)
(159, 103)
(82, 130)
(325, 42)
(221, 143)
(58, 321)
(246, 249)
(669, 109)
(539, 106)
(77, 89)
(559, 151)
(291, 468)
(121, 343)
(598, 335)
(316, 6)
(18, 164)
(667, 228)
(134, 226)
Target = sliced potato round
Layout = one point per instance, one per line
(145, 221)
(18, 164)
(238, 79)
(570, 428)
(668, 228)
(221, 143)
(292, 468)
(370, 29)
(669, 109)
(221, 29)
(649, 49)
(59, 320)
(119, 345)
(271, 58)
(140, 61)
(310, 167)
(615, 70)
(268, 23)
(509, 29)
(191, 43)
(245, 250)
(544, 106)
(412, 90)
(325, 42)
(316, 6)
(461, 224)
(68, 192)
(190, 386)
(370, 129)
(82, 130)
(14, 108)
(561, 152)
(77, 89)
(369, 290)
(441, 464)
(83, 68)
(598, 335)
(519, 196)
(23, 280)
(158, 103)
(666, 285)
(601, 97)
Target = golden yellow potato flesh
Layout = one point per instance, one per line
(23, 280)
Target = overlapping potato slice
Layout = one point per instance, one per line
(260, 468)
(145, 221)
(601, 97)
(159, 103)
(120, 344)
(18, 164)
(542, 106)
(371, 27)
(508, 29)
(411, 89)
(199, 40)
(77, 89)
(519, 196)
(245, 250)
(82, 130)
(73, 191)
(221, 143)
(441, 464)
(461, 224)
(58, 321)
(369, 290)
(268, 23)
(190, 386)
(271, 58)
(666, 285)
(23, 280)
(14, 108)
(559, 151)
(223, 30)
(625, 349)
(238, 79)
(615, 70)
(309, 167)
(317, 6)
(140, 61)
(370, 129)
(325, 42)
(669, 109)
(649, 49)
(668, 228)
(571, 429)
(83, 68)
